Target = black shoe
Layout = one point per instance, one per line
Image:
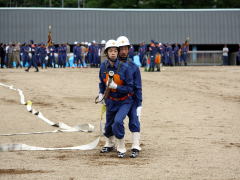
(135, 153)
(106, 149)
(26, 70)
(121, 155)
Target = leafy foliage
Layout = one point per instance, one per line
(149, 4)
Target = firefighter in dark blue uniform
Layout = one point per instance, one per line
(135, 112)
(77, 51)
(142, 51)
(32, 58)
(152, 52)
(176, 54)
(42, 56)
(52, 51)
(169, 55)
(25, 55)
(119, 99)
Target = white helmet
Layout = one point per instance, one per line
(103, 42)
(123, 41)
(110, 43)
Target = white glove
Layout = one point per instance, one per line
(139, 111)
(113, 85)
(100, 98)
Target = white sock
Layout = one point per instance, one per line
(136, 141)
(110, 142)
(121, 145)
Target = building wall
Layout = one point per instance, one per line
(69, 25)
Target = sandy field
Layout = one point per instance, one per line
(190, 125)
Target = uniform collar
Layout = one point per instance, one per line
(115, 64)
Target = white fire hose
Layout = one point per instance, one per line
(62, 128)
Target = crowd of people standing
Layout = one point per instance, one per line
(86, 54)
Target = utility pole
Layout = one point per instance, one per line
(78, 3)
(62, 3)
(50, 3)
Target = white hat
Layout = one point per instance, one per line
(123, 41)
(110, 43)
(75, 42)
(93, 41)
(103, 42)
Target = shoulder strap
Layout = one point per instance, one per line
(105, 63)
(119, 67)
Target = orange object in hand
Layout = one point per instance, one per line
(117, 80)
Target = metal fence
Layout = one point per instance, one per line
(205, 58)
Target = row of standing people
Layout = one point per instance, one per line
(87, 53)
(49, 56)
(35, 54)
(167, 54)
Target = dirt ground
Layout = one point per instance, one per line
(190, 125)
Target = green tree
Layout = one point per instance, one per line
(150, 4)
(228, 4)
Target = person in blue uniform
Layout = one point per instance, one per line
(25, 56)
(169, 55)
(152, 52)
(91, 53)
(98, 55)
(32, 58)
(142, 52)
(37, 54)
(119, 99)
(176, 54)
(74, 54)
(184, 51)
(135, 111)
(60, 56)
(51, 55)
(42, 55)
(21, 53)
(95, 54)
(77, 51)
(162, 53)
(64, 58)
